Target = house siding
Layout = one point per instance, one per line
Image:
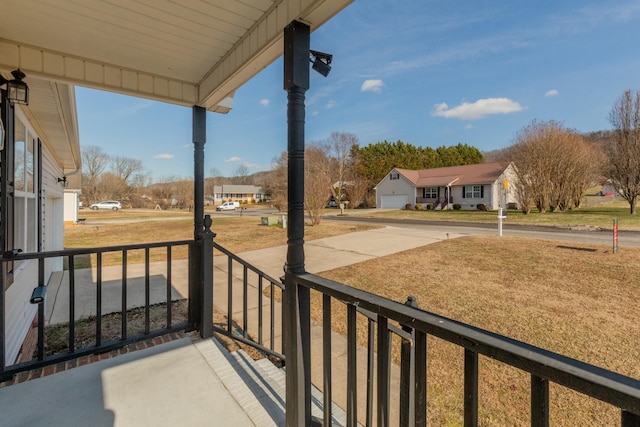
(398, 187)
(19, 311)
(492, 193)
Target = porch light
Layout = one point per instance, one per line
(63, 182)
(321, 62)
(17, 91)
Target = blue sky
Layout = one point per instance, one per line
(421, 71)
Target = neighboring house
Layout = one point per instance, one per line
(441, 188)
(72, 193)
(238, 193)
(41, 147)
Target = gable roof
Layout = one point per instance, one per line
(237, 189)
(482, 173)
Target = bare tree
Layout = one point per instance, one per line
(317, 182)
(241, 175)
(94, 162)
(338, 148)
(623, 148)
(275, 183)
(125, 167)
(554, 166)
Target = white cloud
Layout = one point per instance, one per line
(331, 104)
(134, 108)
(552, 92)
(315, 113)
(234, 159)
(163, 156)
(264, 102)
(468, 126)
(478, 109)
(372, 86)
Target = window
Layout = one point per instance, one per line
(24, 196)
(473, 192)
(394, 176)
(430, 192)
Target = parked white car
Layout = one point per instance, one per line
(106, 204)
(228, 206)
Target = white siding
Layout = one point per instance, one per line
(19, 311)
(395, 188)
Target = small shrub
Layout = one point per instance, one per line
(408, 207)
(419, 207)
(482, 207)
(457, 206)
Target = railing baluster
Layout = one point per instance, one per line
(629, 419)
(273, 316)
(147, 293)
(41, 311)
(99, 300)
(539, 402)
(229, 294)
(123, 323)
(260, 298)
(470, 388)
(420, 394)
(383, 371)
(352, 385)
(326, 360)
(169, 288)
(72, 304)
(371, 339)
(245, 300)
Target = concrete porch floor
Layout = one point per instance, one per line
(169, 384)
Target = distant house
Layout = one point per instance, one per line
(441, 188)
(238, 193)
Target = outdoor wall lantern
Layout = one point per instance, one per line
(17, 91)
(63, 182)
(321, 62)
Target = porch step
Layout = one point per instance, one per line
(258, 386)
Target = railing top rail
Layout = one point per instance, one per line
(611, 387)
(239, 260)
(86, 251)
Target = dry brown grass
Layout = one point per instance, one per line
(237, 234)
(577, 300)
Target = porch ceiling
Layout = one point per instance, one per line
(186, 52)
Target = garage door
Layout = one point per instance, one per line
(397, 201)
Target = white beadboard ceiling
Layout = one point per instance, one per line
(185, 52)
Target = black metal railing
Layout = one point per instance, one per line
(544, 367)
(253, 313)
(73, 285)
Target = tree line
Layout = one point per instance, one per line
(554, 165)
(340, 168)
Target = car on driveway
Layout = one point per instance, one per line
(106, 204)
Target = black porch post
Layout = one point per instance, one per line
(198, 304)
(199, 139)
(296, 327)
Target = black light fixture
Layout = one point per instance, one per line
(17, 91)
(63, 182)
(321, 62)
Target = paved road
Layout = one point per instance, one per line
(598, 237)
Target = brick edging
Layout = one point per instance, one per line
(85, 360)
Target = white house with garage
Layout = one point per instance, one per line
(484, 185)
